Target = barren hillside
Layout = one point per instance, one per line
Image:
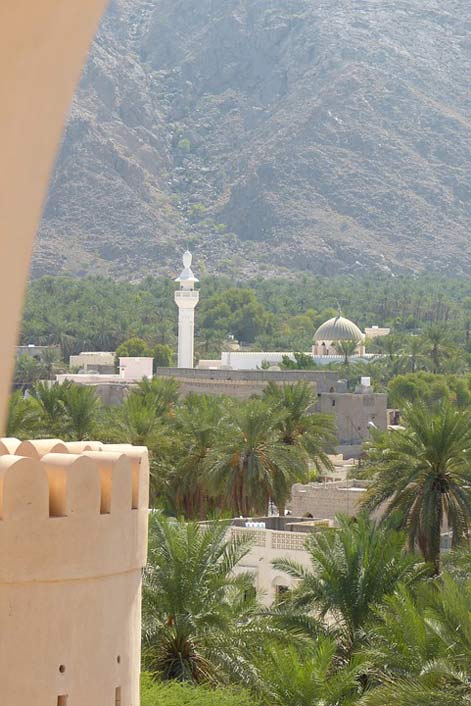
(270, 136)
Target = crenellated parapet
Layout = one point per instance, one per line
(71, 510)
(73, 538)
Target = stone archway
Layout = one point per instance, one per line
(43, 45)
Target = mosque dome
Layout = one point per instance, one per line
(338, 329)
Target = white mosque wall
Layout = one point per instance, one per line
(248, 360)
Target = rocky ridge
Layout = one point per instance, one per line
(274, 137)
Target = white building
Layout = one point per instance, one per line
(130, 370)
(186, 298)
(326, 348)
(328, 337)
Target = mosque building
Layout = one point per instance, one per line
(328, 337)
(328, 347)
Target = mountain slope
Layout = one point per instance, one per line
(324, 136)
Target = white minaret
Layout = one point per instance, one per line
(186, 298)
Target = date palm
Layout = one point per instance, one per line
(138, 422)
(453, 690)
(414, 353)
(312, 433)
(354, 568)
(22, 416)
(401, 642)
(310, 678)
(421, 647)
(81, 407)
(27, 371)
(51, 362)
(347, 349)
(437, 346)
(422, 474)
(160, 394)
(249, 465)
(49, 401)
(197, 625)
(197, 424)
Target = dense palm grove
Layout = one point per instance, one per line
(382, 616)
(272, 314)
(369, 624)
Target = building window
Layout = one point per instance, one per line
(333, 403)
(62, 700)
(281, 591)
(117, 698)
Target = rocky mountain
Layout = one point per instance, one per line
(269, 136)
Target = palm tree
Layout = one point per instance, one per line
(159, 393)
(81, 406)
(354, 568)
(311, 679)
(198, 625)
(49, 400)
(299, 426)
(347, 349)
(27, 371)
(437, 345)
(139, 423)
(423, 473)
(50, 362)
(249, 465)
(401, 641)
(421, 647)
(414, 353)
(449, 615)
(389, 345)
(197, 423)
(453, 690)
(22, 416)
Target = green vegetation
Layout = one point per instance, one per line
(99, 313)
(431, 330)
(207, 453)
(377, 618)
(176, 694)
(380, 616)
(368, 624)
(353, 569)
(199, 624)
(424, 473)
(54, 410)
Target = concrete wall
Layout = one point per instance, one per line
(353, 412)
(240, 384)
(73, 530)
(326, 500)
(196, 379)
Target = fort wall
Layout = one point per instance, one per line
(73, 537)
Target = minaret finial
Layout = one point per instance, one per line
(339, 309)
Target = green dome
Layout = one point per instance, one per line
(338, 329)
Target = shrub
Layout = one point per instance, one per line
(177, 694)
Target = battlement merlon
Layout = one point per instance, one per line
(71, 511)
